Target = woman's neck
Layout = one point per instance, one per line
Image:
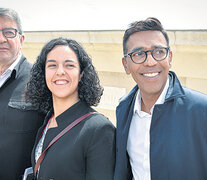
(61, 105)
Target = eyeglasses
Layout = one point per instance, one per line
(10, 32)
(139, 56)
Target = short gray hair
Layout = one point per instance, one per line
(13, 15)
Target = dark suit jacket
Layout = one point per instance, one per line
(86, 152)
(178, 135)
(19, 122)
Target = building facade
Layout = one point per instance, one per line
(105, 48)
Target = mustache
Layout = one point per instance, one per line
(4, 45)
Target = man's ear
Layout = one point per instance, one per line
(124, 62)
(21, 40)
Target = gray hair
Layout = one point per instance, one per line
(13, 15)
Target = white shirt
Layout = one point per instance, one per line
(38, 150)
(8, 72)
(138, 144)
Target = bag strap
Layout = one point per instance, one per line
(69, 127)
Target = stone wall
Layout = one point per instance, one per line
(105, 47)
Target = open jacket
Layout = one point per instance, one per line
(178, 135)
(19, 122)
(86, 152)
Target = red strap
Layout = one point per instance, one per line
(70, 126)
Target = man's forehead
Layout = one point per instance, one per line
(147, 35)
(146, 39)
(6, 21)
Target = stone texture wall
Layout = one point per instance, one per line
(105, 47)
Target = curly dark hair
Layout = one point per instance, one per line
(150, 24)
(89, 88)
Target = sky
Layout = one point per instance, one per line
(47, 15)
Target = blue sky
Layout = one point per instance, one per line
(38, 15)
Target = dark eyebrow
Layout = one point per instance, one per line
(139, 48)
(136, 49)
(70, 60)
(67, 60)
(50, 60)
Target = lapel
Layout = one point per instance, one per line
(63, 120)
(124, 114)
(18, 92)
(39, 133)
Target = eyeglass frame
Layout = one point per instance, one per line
(151, 51)
(16, 31)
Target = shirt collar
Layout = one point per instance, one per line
(15, 62)
(160, 100)
(12, 66)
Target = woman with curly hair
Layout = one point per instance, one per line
(64, 84)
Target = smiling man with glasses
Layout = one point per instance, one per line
(19, 120)
(161, 126)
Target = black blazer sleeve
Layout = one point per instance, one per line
(100, 155)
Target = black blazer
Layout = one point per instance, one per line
(86, 152)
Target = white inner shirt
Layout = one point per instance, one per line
(8, 72)
(138, 144)
(38, 150)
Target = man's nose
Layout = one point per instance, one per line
(2, 37)
(150, 61)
